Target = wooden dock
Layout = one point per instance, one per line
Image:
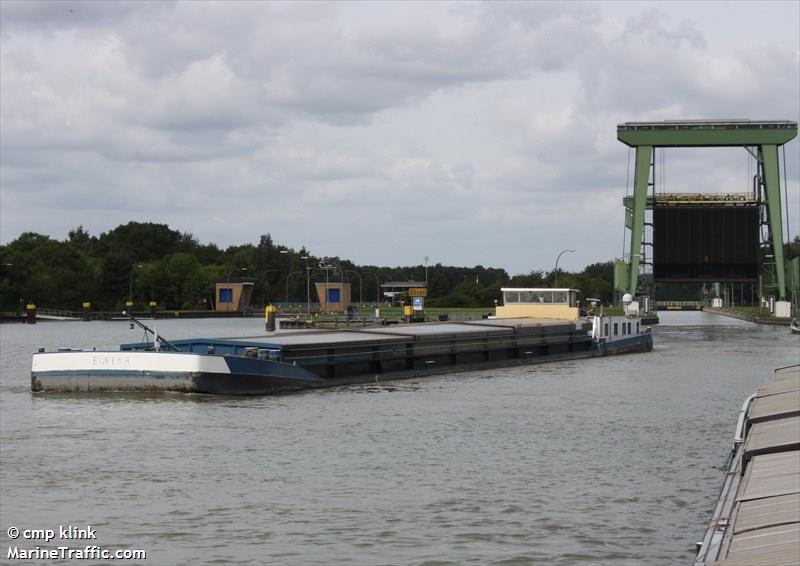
(757, 517)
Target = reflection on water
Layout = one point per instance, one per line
(606, 461)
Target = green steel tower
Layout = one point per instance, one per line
(761, 138)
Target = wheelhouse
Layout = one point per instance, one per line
(539, 303)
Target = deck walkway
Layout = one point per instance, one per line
(757, 517)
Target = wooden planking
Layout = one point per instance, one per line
(772, 546)
(788, 370)
(764, 525)
(771, 475)
(773, 436)
(783, 382)
(775, 406)
(767, 512)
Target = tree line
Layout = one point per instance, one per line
(143, 262)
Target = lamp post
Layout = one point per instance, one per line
(228, 279)
(426, 271)
(568, 250)
(308, 286)
(288, 277)
(360, 286)
(377, 287)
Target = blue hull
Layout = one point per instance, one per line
(640, 343)
(295, 361)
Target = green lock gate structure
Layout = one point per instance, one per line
(761, 138)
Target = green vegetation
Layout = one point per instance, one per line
(146, 261)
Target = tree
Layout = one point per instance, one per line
(153, 262)
(140, 241)
(115, 273)
(184, 279)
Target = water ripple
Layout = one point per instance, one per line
(606, 461)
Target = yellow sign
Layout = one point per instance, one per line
(417, 292)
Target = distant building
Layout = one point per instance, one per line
(333, 296)
(393, 290)
(233, 295)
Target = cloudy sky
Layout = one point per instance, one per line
(472, 133)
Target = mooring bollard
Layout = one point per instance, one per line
(30, 313)
(269, 318)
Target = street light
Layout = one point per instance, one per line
(288, 277)
(228, 279)
(426, 270)
(308, 286)
(360, 286)
(558, 258)
(377, 287)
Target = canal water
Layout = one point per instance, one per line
(606, 461)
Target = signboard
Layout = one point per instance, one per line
(418, 303)
(417, 292)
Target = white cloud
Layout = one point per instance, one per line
(383, 132)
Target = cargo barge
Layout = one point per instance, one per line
(757, 517)
(268, 364)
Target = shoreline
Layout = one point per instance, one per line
(749, 317)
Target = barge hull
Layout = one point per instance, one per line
(633, 344)
(250, 384)
(273, 364)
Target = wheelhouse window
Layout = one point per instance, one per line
(540, 297)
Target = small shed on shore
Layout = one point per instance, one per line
(334, 296)
(233, 295)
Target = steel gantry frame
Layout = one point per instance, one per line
(765, 135)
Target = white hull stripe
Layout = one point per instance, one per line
(162, 363)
